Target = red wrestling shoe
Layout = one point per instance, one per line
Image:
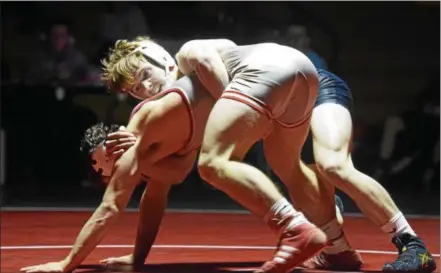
(295, 246)
(348, 260)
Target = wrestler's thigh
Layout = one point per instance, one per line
(331, 127)
(232, 128)
(283, 153)
(283, 147)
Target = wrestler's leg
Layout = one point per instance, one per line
(331, 127)
(282, 149)
(311, 195)
(232, 128)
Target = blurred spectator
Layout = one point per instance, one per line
(269, 35)
(297, 37)
(59, 61)
(410, 144)
(17, 39)
(123, 20)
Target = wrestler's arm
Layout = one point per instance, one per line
(203, 57)
(125, 177)
(154, 202)
(151, 212)
(152, 207)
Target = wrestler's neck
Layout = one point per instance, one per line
(174, 72)
(173, 76)
(179, 74)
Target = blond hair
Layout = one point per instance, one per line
(122, 62)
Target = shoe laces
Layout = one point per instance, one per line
(406, 241)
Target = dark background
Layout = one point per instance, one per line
(388, 52)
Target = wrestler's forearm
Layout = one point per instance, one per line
(90, 236)
(207, 63)
(215, 68)
(116, 197)
(151, 211)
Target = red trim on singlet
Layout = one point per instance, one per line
(261, 107)
(302, 121)
(184, 97)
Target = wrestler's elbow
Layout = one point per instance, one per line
(110, 208)
(201, 57)
(183, 64)
(120, 188)
(115, 201)
(109, 205)
(195, 53)
(224, 43)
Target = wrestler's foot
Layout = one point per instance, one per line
(348, 260)
(413, 256)
(296, 244)
(338, 255)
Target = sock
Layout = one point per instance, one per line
(283, 215)
(398, 225)
(336, 237)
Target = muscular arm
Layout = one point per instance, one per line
(203, 57)
(154, 201)
(151, 212)
(126, 174)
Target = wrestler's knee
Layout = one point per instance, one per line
(335, 167)
(211, 167)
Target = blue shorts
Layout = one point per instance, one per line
(333, 89)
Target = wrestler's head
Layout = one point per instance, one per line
(93, 144)
(141, 68)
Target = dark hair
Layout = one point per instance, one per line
(93, 137)
(96, 135)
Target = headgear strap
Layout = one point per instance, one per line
(157, 56)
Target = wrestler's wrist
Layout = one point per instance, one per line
(138, 260)
(67, 265)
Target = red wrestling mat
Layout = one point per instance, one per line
(187, 243)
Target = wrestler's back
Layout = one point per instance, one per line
(258, 56)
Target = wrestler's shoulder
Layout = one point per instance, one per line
(143, 109)
(218, 43)
(164, 104)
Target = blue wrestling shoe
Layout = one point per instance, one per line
(413, 256)
(339, 204)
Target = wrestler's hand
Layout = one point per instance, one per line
(54, 267)
(119, 142)
(123, 260)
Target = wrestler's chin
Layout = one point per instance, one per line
(105, 179)
(168, 83)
